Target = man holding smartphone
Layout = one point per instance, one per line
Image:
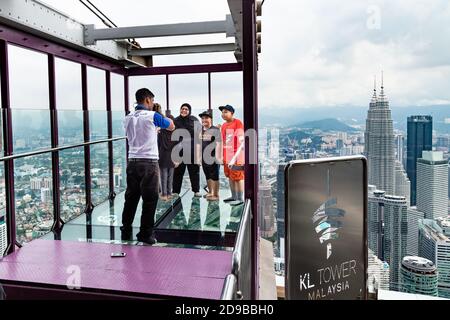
(143, 168)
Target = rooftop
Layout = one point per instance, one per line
(418, 264)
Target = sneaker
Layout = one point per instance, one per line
(197, 195)
(228, 199)
(235, 202)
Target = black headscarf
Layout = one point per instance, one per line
(187, 122)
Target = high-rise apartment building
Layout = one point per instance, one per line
(414, 215)
(419, 276)
(402, 183)
(388, 230)
(435, 246)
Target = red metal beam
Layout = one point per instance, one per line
(200, 68)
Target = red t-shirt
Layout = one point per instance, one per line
(232, 133)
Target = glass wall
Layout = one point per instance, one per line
(190, 88)
(227, 88)
(69, 102)
(119, 147)
(72, 183)
(120, 165)
(99, 173)
(29, 99)
(117, 104)
(29, 85)
(98, 121)
(33, 194)
(156, 84)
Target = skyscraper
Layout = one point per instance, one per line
(402, 183)
(3, 236)
(280, 207)
(419, 138)
(375, 221)
(388, 230)
(435, 246)
(395, 235)
(378, 272)
(266, 218)
(414, 215)
(379, 143)
(432, 184)
(419, 276)
(399, 147)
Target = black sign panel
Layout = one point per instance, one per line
(326, 238)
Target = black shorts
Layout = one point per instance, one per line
(211, 171)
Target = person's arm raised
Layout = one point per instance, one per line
(163, 122)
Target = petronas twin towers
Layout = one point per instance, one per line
(379, 143)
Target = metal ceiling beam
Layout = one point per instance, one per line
(92, 35)
(44, 21)
(236, 14)
(202, 48)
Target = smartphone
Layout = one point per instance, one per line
(118, 254)
(325, 225)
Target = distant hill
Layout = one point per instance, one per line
(352, 115)
(326, 125)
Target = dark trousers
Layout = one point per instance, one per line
(142, 181)
(211, 171)
(194, 176)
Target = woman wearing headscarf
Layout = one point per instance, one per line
(192, 144)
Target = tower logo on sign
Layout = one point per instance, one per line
(327, 220)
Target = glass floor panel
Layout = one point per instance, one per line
(110, 213)
(106, 234)
(200, 214)
(185, 222)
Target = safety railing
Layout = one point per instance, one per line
(238, 284)
(229, 288)
(50, 150)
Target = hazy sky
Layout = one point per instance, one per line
(316, 52)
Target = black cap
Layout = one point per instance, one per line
(207, 113)
(227, 107)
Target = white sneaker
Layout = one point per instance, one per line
(197, 195)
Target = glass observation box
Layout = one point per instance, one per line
(65, 90)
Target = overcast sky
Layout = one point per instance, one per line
(317, 52)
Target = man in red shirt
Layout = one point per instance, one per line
(233, 154)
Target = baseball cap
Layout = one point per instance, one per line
(207, 113)
(227, 107)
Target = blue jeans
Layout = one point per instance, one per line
(166, 181)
